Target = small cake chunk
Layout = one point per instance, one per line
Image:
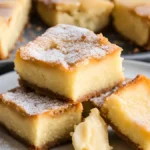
(94, 15)
(69, 62)
(132, 19)
(127, 111)
(38, 121)
(13, 18)
(92, 134)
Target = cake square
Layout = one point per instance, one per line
(94, 15)
(127, 111)
(13, 18)
(133, 17)
(69, 62)
(38, 121)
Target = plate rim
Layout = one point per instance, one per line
(138, 57)
(136, 62)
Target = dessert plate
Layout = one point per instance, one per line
(9, 80)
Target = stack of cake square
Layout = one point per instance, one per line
(57, 71)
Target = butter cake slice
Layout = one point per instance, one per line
(70, 62)
(92, 134)
(93, 15)
(132, 19)
(127, 111)
(13, 17)
(38, 121)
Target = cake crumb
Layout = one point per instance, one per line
(32, 103)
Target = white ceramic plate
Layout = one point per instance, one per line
(8, 81)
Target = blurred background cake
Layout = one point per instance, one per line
(93, 15)
(13, 18)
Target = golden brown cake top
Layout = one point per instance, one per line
(137, 80)
(31, 103)
(98, 101)
(67, 46)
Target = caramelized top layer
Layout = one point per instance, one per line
(31, 103)
(67, 46)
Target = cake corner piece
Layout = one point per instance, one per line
(127, 111)
(74, 56)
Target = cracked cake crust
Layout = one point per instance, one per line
(67, 46)
(32, 107)
(39, 105)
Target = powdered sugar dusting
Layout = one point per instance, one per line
(66, 45)
(98, 101)
(33, 104)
